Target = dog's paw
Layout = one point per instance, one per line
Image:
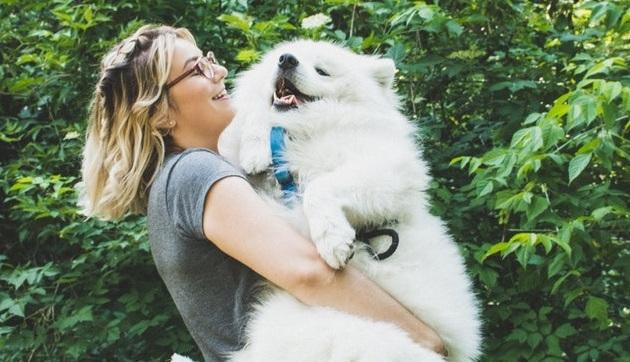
(255, 156)
(333, 241)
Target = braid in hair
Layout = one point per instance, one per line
(115, 63)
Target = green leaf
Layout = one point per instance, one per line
(517, 335)
(577, 165)
(486, 189)
(560, 281)
(539, 205)
(513, 86)
(563, 244)
(496, 248)
(583, 111)
(589, 147)
(17, 309)
(82, 315)
(556, 265)
(6, 302)
(495, 157)
(599, 213)
(488, 277)
(528, 138)
(247, 55)
(601, 67)
(523, 254)
(397, 53)
(610, 90)
(560, 107)
(572, 295)
(533, 118)
(238, 21)
(597, 309)
(565, 330)
(553, 346)
(534, 339)
(454, 28)
(546, 242)
(462, 160)
(474, 165)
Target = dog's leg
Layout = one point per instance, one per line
(230, 142)
(255, 153)
(353, 193)
(330, 230)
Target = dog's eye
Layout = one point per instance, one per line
(320, 71)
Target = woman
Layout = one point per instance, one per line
(156, 116)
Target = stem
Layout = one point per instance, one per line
(354, 8)
(533, 230)
(581, 135)
(413, 103)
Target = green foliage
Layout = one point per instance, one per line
(523, 108)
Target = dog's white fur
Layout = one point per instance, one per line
(355, 160)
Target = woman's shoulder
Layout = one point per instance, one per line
(193, 166)
(198, 160)
(179, 191)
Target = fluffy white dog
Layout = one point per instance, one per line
(354, 159)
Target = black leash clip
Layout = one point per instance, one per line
(365, 236)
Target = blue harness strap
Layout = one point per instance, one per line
(280, 169)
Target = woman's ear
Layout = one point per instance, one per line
(383, 70)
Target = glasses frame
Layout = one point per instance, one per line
(210, 58)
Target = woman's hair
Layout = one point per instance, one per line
(127, 125)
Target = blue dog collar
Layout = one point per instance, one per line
(280, 168)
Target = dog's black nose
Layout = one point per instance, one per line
(287, 61)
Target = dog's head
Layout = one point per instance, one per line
(301, 72)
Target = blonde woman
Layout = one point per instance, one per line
(157, 112)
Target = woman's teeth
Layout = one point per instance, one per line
(220, 95)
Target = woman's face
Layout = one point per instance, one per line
(202, 107)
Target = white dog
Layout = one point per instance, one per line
(354, 160)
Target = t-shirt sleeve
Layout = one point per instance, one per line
(190, 179)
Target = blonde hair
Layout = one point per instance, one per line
(128, 125)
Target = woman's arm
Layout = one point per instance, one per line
(239, 223)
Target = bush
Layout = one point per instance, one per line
(523, 108)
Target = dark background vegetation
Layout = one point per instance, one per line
(523, 107)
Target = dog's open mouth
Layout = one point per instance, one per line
(287, 95)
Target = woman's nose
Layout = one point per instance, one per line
(219, 72)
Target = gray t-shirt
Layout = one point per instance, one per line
(212, 291)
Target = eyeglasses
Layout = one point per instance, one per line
(202, 66)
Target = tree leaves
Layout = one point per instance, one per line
(583, 111)
(597, 309)
(578, 164)
(559, 194)
(529, 101)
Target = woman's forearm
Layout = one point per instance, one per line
(240, 224)
(350, 291)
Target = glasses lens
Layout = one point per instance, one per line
(205, 68)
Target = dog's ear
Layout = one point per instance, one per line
(383, 70)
